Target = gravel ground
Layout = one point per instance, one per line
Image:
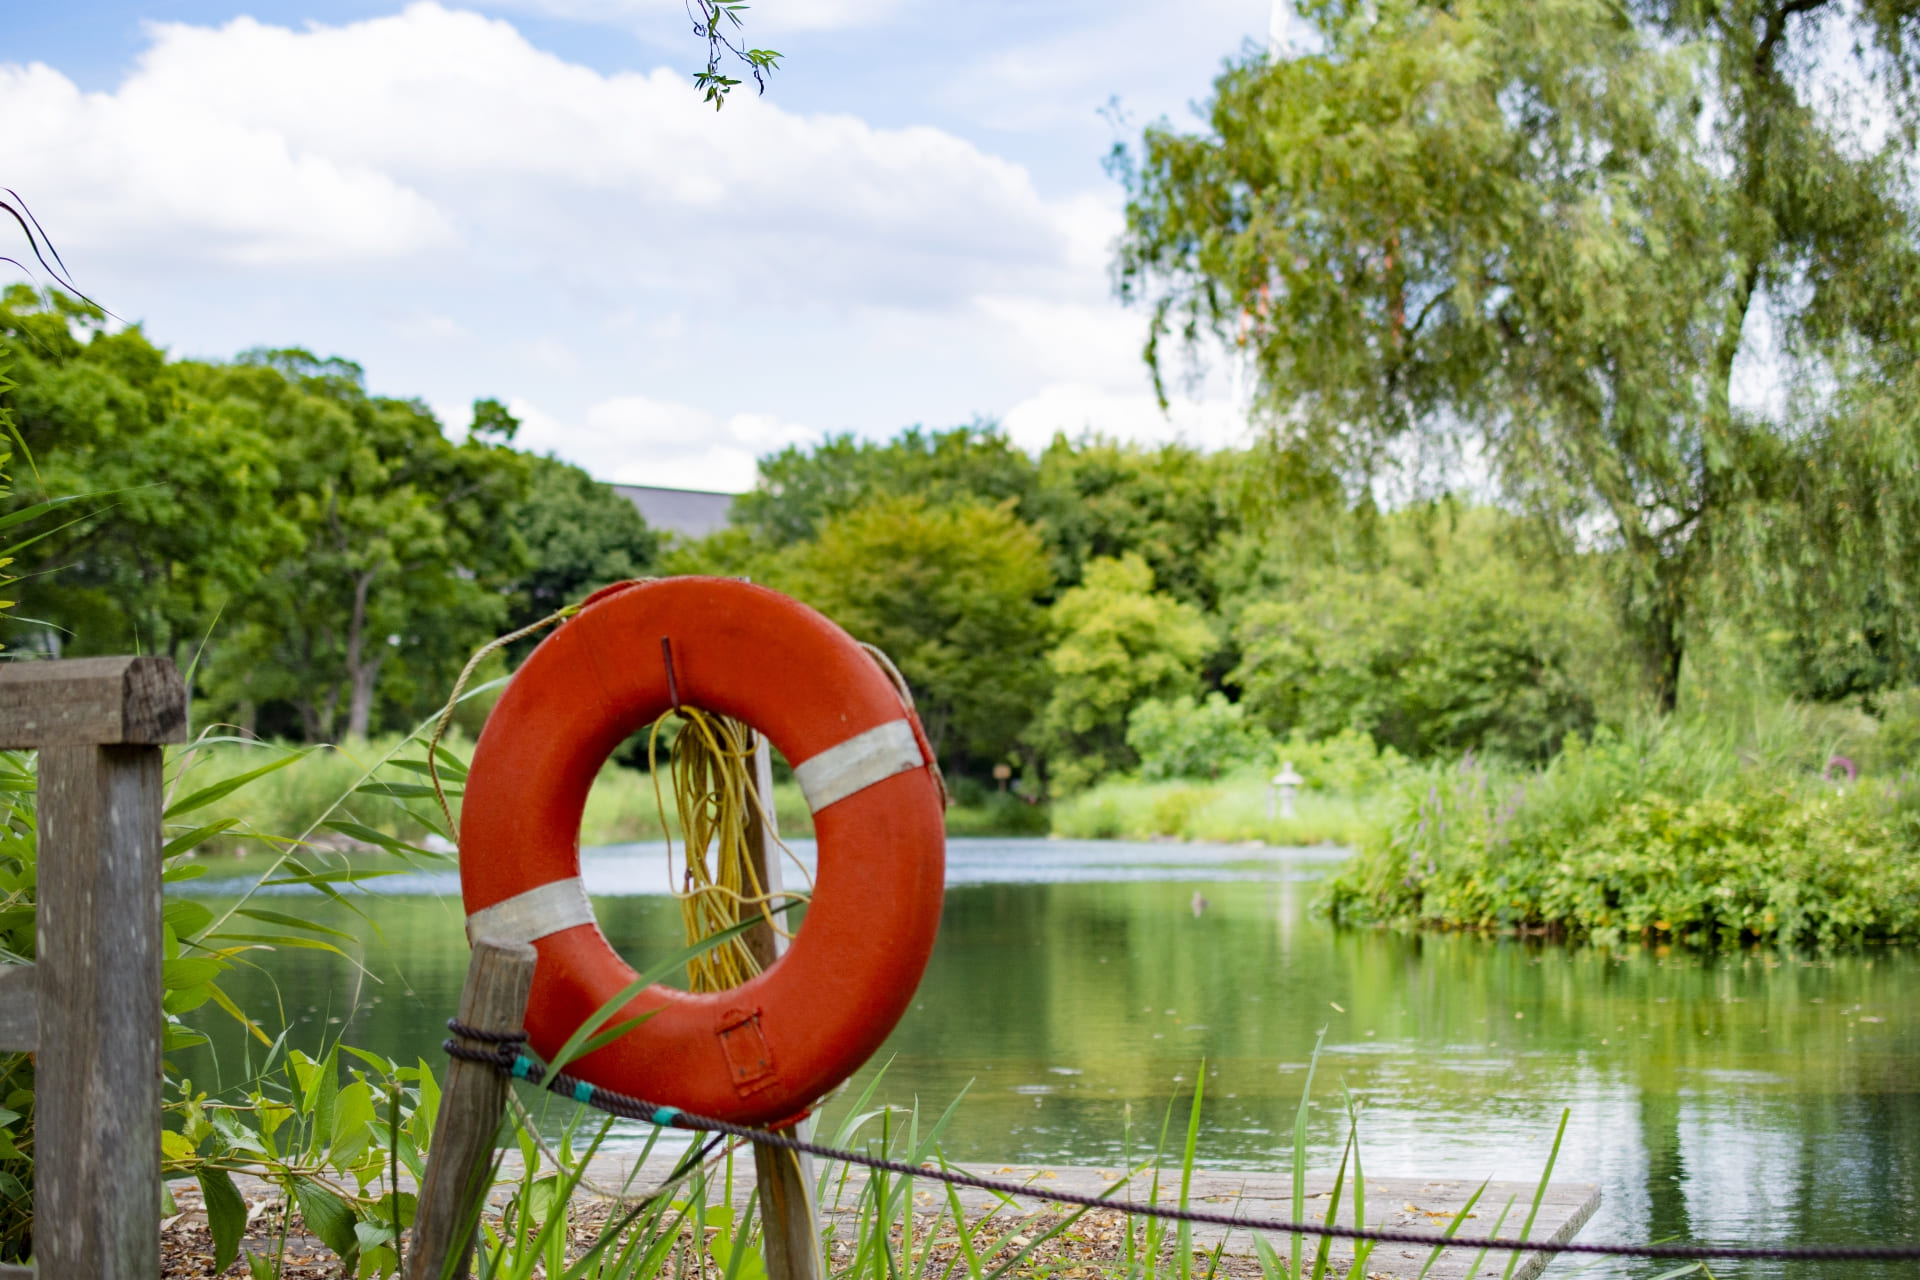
(1094, 1246)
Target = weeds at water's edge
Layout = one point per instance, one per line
(880, 1227)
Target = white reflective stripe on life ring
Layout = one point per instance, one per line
(858, 763)
(530, 916)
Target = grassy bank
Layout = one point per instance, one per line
(353, 784)
(1708, 833)
(1233, 809)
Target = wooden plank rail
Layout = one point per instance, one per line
(90, 1005)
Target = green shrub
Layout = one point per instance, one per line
(1348, 762)
(1182, 739)
(1897, 746)
(997, 813)
(1679, 831)
(1484, 660)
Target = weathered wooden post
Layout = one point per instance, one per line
(791, 1224)
(89, 1007)
(472, 1105)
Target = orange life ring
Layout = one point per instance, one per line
(767, 1050)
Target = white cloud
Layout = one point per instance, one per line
(472, 215)
(787, 15)
(1052, 74)
(1075, 408)
(432, 130)
(1093, 380)
(151, 171)
(637, 440)
(429, 326)
(551, 353)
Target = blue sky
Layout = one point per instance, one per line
(525, 199)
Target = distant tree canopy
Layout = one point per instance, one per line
(1544, 235)
(321, 559)
(1057, 611)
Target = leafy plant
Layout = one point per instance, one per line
(1185, 739)
(1681, 830)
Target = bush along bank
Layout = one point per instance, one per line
(1676, 833)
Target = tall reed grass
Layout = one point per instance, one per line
(884, 1226)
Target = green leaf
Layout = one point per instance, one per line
(278, 940)
(196, 837)
(190, 971)
(226, 1215)
(316, 879)
(322, 1087)
(232, 1010)
(220, 790)
(292, 922)
(352, 1127)
(403, 790)
(185, 918)
(369, 835)
(327, 1216)
(449, 767)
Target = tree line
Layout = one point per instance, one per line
(322, 561)
(1528, 253)
(319, 559)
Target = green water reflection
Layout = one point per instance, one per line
(1754, 1098)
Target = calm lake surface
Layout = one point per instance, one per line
(1759, 1098)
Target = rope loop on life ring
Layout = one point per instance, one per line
(766, 1050)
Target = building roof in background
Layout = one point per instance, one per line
(687, 513)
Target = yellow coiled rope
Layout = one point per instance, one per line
(712, 768)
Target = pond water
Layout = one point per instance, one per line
(1078, 986)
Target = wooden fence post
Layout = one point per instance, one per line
(89, 1008)
(472, 1104)
(790, 1221)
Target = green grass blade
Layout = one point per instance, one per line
(1184, 1242)
(1300, 1154)
(227, 786)
(1539, 1192)
(1324, 1250)
(960, 1228)
(1690, 1269)
(1271, 1268)
(1498, 1222)
(1362, 1249)
(1465, 1211)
